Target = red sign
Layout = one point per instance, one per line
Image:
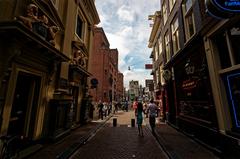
(148, 66)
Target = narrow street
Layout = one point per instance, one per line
(123, 142)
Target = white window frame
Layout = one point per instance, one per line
(175, 35)
(167, 46)
(56, 3)
(171, 4)
(160, 45)
(187, 12)
(165, 12)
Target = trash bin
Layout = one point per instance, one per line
(133, 122)
(114, 122)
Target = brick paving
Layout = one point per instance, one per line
(121, 142)
(179, 146)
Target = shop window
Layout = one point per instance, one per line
(188, 18)
(234, 35)
(233, 89)
(228, 47)
(222, 48)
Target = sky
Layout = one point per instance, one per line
(126, 25)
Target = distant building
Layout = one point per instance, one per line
(133, 90)
(103, 66)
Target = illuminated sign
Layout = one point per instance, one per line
(228, 5)
(234, 95)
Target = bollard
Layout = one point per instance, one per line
(133, 122)
(114, 122)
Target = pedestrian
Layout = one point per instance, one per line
(134, 106)
(152, 109)
(126, 106)
(105, 109)
(139, 118)
(100, 109)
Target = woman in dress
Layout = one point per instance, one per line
(140, 118)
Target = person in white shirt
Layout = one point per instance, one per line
(152, 109)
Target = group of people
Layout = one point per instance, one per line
(104, 109)
(151, 110)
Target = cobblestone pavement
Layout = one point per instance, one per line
(121, 142)
(179, 146)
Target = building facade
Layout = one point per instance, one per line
(38, 62)
(133, 91)
(196, 71)
(103, 66)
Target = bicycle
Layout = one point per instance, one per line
(9, 147)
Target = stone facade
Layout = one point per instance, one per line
(44, 51)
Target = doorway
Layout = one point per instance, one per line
(25, 104)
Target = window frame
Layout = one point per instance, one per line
(172, 4)
(186, 14)
(164, 12)
(167, 46)
(84, 26)
(175, 33)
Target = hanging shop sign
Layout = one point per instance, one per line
(167, 74)
(223, 8)
(228, 5)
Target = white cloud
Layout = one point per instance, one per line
(126, 25)
(125, 13)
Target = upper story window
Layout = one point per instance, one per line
(56, 3)
(80, 27)
(160, 45)
(188, 18)
(175, 35)
(167, 47)
(156, 52)
(171, 4)
(164, 10)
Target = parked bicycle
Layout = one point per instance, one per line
(9, 146)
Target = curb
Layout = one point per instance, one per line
(82, 141)
(170, 154)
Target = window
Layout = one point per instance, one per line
(167, 47)
(56, 3)
(80, 27)
(188, 18)
(228, 46)
(160, 45)
(164, 9)
(156, 52)
(171, 4)
(175, 35)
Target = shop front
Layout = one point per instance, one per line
(196, 112)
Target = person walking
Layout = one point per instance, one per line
(100, 109)
(139, 114)
(152, 109)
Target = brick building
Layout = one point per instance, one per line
(103, 65)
